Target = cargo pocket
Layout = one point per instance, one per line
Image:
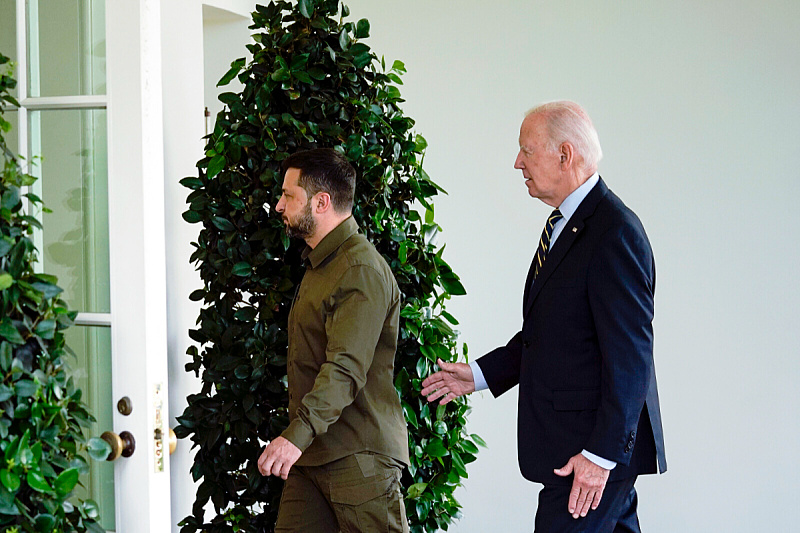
(363, 505)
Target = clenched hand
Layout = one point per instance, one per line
(278, 457)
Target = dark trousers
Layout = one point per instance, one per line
(615, 514)
(357, 494)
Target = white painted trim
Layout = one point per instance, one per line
(137, 256)
(93, 319)
(22, 81)
(99, 101)
(32, 49)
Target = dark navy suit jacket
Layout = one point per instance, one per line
(584, 357)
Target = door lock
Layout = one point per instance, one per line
(124, 406)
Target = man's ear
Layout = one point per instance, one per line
(321, 202)
(567, 154)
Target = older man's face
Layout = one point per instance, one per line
(540, 166)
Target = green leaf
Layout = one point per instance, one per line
(302, 76)
(6, 392)
(10, 480)
(66, 481)
(48, 289)
(98, 449)
(26, 388)
(299, 61)
(242, 268)
(317, 73)
(344, 40)
(306, 8)
(469, 446)
(436, 448)
(10, 333)
(6, 280)
(362, 29)
(411, 416)
(44, 523)
(192, 217)
(458, 465)
(216, 165)
(422, 367)
(37, 482)
(415, 490)
(223, 224)
(46, 329)
(453, 286)
(10, 198)
(478, 440)
(90, 509)
(247, 314)
(5, 245)
(236, 67)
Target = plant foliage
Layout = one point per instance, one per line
(41, 413)
(313, 82)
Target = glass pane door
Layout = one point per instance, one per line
(60, 130)
(70, 146)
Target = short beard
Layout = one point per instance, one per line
(303, 226)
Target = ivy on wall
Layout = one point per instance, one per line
(313, 82)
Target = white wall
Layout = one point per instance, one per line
(188, 27)
(698, 109)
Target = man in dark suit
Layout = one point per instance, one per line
(589, 421)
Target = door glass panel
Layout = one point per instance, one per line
(74, 185)
(92, 371)
(67, 47)
(8, 32)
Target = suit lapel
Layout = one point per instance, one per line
(566, 238)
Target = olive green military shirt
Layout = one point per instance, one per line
(343, 329)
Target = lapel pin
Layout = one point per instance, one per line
(574, 229)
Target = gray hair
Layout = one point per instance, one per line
(569, 122)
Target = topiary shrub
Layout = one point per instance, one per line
(313, 82)
(42, 445)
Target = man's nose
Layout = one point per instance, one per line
(280, 206)
(518, 162)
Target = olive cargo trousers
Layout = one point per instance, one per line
(356, 494)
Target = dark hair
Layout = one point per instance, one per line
(325, 170)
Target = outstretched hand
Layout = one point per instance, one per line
(587, 486)
(452, 381)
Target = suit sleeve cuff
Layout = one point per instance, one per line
(299, 434)
(477, 376)
(599, 461)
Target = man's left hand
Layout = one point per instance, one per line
(278, 457)
(588, 485)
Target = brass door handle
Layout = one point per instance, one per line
(173, 441)
(121, 445)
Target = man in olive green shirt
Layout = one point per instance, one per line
(346, 443)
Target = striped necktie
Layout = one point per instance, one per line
(544, 241)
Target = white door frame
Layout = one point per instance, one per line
(137, 260)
